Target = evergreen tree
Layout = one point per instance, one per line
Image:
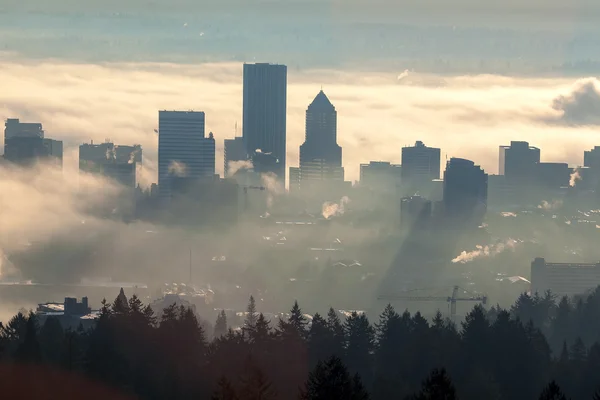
(438, 386)
(220, 325)
(225, 391)
(51, 340)
(552, 392)
(254, 384)
(320, 340)
(121, 305)
(262, 331)
(297, 320)
(29, 350)
(251, 316)
(331, 380)
(360, 345)
(338, 334)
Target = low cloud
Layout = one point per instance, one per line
(581, 105)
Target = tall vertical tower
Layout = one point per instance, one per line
(465, 192)
(264, 111)
(183, 149)
(420, 165)
(320, 155)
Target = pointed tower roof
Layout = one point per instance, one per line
(321, 102)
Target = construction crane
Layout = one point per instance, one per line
(451, 300)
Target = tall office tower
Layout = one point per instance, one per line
(15, 128)
(183, 149)
(420, 165)
(518, 162)
(465, 192)
(591, 158)
(234, 152)
(27, 150)
(294, 182)
(264, 111)
(380, 176)
(320, 155)
(115, 162)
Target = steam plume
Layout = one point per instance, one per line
(330, 209)
(235, 166)
(555, 204)
(574, 177)
(273, 186)
(485, 251)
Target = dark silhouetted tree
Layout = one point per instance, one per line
(220, 325)
(251, 316)
(331, 380)
(360, 337)
(552, 392)
(254, 384)
(121, 305)
(338, 334)
(29, 350)
(438, 386)
(225, 391)
(52, 340)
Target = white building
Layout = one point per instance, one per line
(563, 279)
(183, 149)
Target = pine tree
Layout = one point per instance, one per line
(29, 350)
(320, 340)
(262, 331)
(338, 333)
(121, 304)
(331, 380)
(51, 340)
(225, 391)
(552, 392)
(360, 345)
(254, 384)
(149, 316)
(438, 386)
(297, 320)
(250, 321)
(220, 325)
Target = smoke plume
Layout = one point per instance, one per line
(330, 209)
(574, 177)
(486, 251)
(549, 206)
(272, 185)
(235, 166)
(582, 105)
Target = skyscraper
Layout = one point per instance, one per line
(264, 111)
(27, 150)
(518, 161)
(183, 149)
(320, 155)
(234, 151)
(15, 128)
(465, 192)
(115, 162)
(420, 165)
(380, 176)
(591, 158)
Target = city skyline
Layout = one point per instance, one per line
(561, 141)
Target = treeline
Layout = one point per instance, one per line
(493, 354)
